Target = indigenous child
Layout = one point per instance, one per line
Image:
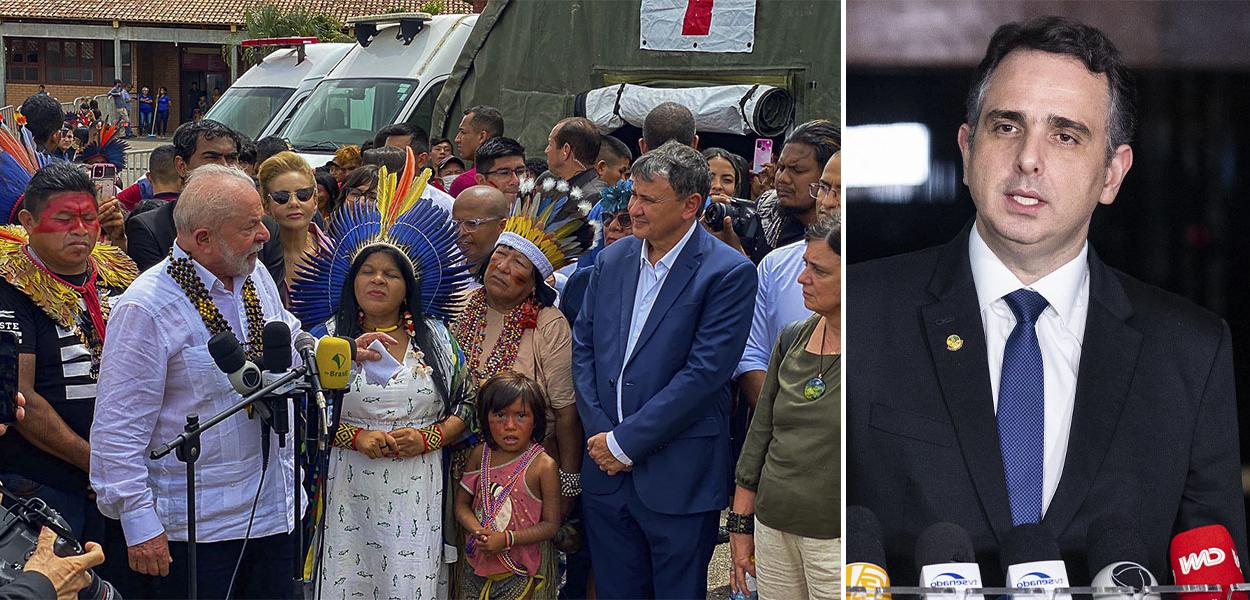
(501, 504)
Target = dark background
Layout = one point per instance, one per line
(1181, 220)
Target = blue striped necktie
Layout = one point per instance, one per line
(1022, 409)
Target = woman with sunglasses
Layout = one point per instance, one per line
(289, 191)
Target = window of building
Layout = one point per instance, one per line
(72, 62)
(22, 60)
(81, 62)
(108, 77)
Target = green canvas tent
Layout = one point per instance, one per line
(532, 58)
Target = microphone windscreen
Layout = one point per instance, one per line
(226, 352)
(863, 537)
(305, 341)
(334, 362)
(1028, 542)
(276, 340)
(1113, 538)
(1205, 555)
(944, 543)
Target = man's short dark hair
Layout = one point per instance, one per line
(385, 156)
(269, 146)
(55, 178)
(683, 167)
(247, 152)
(420, 139)
(439, 140)
(494, 149)
(161, 162)
(583, 138)
(43, 116)
(822, 135)
(536, 167)
(668, 121)
(188, 136)
(486, 118)
(616, 148)
(1057, 35)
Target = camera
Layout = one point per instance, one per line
(19, 534)
(745, 219)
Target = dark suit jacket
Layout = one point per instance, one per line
(1154, 426)
(150, 236)
(675, 396)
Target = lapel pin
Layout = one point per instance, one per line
(954, 343)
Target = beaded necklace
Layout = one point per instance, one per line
(90, 331)
(410, 327)
(470, 332)
(184, 274)
(491, 506)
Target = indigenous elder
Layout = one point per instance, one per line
(57, 282)
(288, 189)
(384, 487)
(157, 370)
(789, 469)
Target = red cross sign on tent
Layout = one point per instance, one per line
(698, 25)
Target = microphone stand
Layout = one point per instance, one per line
(186, 446)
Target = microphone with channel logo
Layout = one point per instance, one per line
(1032, 559)
(1205, 556)
(1116, 555)
(947, 560)
(865, 555)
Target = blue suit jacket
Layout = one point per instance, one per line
(675, 396)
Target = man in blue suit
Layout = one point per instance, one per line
(665, 319)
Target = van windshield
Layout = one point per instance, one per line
(248, 110)
(341, 112)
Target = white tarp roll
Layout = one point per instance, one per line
(697, 25)
(719, 109)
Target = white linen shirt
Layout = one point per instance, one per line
(650, 281)
(156, 369)
(778, 302)
(1060, 334)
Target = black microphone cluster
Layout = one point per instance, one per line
(1204, 561)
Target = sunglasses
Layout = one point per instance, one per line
(621, 217)
(283, 196)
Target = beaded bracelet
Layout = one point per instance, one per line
(570, 484)
(431, 437)
(736, 523)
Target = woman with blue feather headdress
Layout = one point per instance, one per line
(390, 280)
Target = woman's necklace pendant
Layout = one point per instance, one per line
(815, 388)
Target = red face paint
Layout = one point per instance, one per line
(68, 212)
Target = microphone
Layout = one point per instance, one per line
(1116, 555)
(1205, 556)
(947, 560)
(334, 361)
(228, 355)
(276, 355)
(1032, 559)
(865, 555)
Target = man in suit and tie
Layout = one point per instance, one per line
(1010, 376)
(666, 316)
(151, 234)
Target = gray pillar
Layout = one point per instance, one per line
(234, 63)
(4, 75)
(117, 54)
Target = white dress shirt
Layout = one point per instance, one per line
(778, 301)
(156, 370)
(1060, 333)
(650, 281)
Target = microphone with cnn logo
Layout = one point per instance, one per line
(1205, 556)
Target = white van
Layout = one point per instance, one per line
(393, 75)
(254, 102)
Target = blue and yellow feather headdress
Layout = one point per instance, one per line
(19, 159)
(402, 219)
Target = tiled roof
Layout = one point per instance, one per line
(198, 12)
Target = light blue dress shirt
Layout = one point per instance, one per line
(778, 302)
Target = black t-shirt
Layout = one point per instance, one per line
(62, 377)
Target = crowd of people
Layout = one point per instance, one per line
(563, 374)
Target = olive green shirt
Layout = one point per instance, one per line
(792, 453)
